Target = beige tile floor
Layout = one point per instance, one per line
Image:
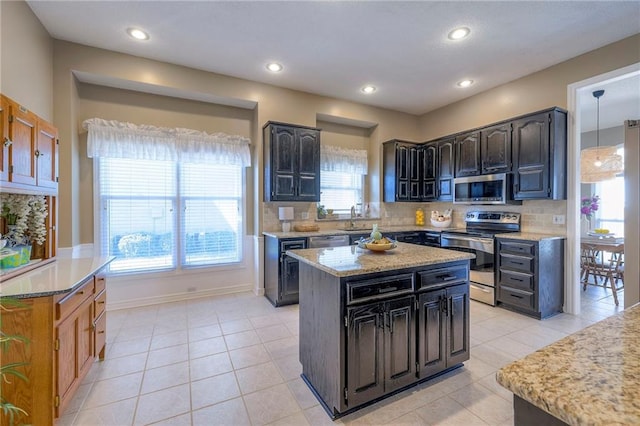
(232, 360)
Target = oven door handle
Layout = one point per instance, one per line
(474, 243)
(472, 239)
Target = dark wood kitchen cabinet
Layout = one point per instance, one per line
(495, 149)
(291, 162)
(429, 162)
(468, 154)
(380, 348)
(281, 272)
(445, 169)
(539, 155)
(530, 276)
(402, 171)
(443, 320)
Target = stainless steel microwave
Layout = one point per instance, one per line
(484, 189)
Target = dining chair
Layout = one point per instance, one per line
(604, 262)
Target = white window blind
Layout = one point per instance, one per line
(340, 191)
(342, 178)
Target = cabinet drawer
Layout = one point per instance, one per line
(71, 301)
(100, 333)
(379, 288)
(442, 276)
(293, 245)
(518, 247)
(101, 283)
(516, 280)
(515, 297)
(99, 304)
(518, 263)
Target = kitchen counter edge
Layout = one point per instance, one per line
(324, 232)
(58, 277)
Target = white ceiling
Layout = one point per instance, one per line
(333, 48)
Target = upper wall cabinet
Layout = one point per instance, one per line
(495, 149)
(540, 156)
(292, 162)
(401, 171)
(29, 150)
(468, 154)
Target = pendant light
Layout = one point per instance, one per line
(599, 163)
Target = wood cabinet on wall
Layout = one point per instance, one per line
(66, 332)
(291, 162)
(30, 150)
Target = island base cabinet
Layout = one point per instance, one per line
(443, 329)
(381, 348)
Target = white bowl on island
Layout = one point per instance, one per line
(445, 223)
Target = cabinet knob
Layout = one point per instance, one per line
(7, 142)
(37, 153)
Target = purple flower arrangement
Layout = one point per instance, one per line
(589, 206)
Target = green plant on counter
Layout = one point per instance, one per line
(322, 212)
(10, 371)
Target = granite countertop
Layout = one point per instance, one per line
(351, 260)
(531, 236)
(336, 231)
(60, 276)
(591, 377)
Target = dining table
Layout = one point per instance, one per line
(602, 257)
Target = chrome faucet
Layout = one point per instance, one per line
(352, 223)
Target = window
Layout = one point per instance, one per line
(167, 198)
(611, 211)
(340, 191)
(342, 178)
(156, 215)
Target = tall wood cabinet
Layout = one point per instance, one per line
(291, 162)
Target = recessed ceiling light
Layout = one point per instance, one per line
(368, 89)
(274, 67)
(465, 83)
(459, 33)
(138, 34)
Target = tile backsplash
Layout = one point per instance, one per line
(537, 215)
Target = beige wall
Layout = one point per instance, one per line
(26, 59)
(534, 92)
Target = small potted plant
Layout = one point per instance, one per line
(322, 212)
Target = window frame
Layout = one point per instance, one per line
(361, 190)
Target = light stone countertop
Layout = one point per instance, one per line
(351, 260)
(337, 231)
(60, 276)
(591, 377)
(531, 236)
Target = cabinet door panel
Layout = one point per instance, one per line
(458, 324)
(22, 132)
(531, 141)
(66, 359)
(496, 149)
(431, 356)
(445, 170)
(290, 279)
(47, 155)
(365, 354)
(4, 138)
(468, 155)
(400, 348)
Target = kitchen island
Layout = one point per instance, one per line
(591, 377)
(374, 323)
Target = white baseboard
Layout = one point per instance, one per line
(155, 300)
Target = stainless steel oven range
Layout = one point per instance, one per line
(478, 238)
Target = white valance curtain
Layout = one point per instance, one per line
(115, 139)
(336, 159)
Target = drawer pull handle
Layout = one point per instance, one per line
(516, 296)
(101, 332)
(101, 302)
(446, 277)
(387, 290)
(517, 279)
(80, 293)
